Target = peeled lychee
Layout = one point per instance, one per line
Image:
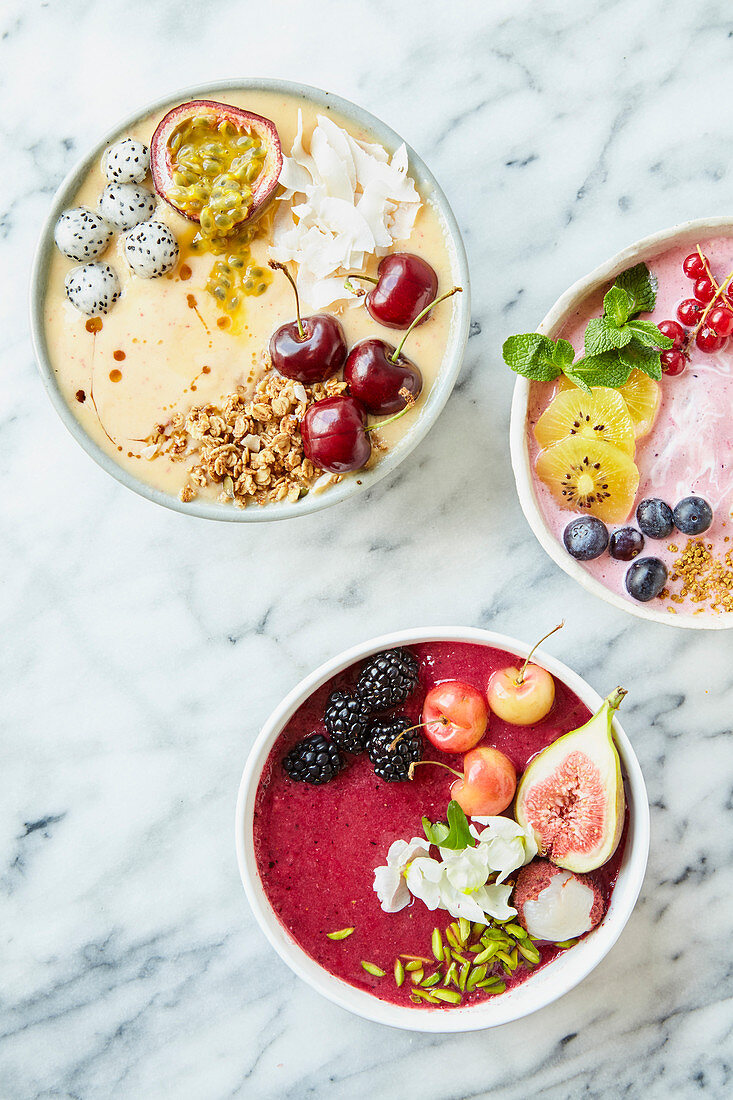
(554, 904)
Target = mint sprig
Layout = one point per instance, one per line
(454, 835)
(614, 344)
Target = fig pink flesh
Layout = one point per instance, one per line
(568, 808)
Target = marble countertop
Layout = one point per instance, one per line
(142, 650)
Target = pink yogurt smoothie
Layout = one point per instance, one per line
(317, 846)
(690, 449)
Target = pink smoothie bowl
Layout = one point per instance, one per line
(541, 989)
(567, 305)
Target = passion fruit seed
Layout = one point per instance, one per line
(213, 168)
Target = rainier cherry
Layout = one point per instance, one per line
(488, 784)
(309, 349)
(693, 265)
(455, 716)
(523, 696)
(405, 284)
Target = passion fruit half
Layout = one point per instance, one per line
(216, 164)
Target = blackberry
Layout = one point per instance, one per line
(313, 760)
(392, 764)
(347, 720)
(387, 679)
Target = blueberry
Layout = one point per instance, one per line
(655, 518)
(646, 578)
(693, 515)
(626, 543)
(585, 538)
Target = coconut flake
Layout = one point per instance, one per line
(351, 202)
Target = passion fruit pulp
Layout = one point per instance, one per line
(215, 164)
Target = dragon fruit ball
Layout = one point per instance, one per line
(554, 904)
(125, 205)
(151, 249)
(126, 161)
(92, 288)
(81, 234)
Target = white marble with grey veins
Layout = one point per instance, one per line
(141, 650)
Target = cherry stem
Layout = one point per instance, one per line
(718, 291)
(520, 678)
(281, 267)
(409, 402)
(438, 764)
(398, 350)
(357, 289)
(419, 725)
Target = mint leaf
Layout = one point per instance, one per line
(647, 333)
(601, 335)
(537, 357)
(617, 306)
(602, 370)
(640, 357)
(641, 286)
(455, 835)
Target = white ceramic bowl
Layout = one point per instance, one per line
(433, 401)
(563, 308)
(549, 983)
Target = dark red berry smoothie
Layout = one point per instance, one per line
(317, 846)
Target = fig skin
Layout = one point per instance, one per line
(160, 161)
(537, 875)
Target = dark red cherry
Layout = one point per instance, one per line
(673, 332)
(720, 320)
(405, 285)
(375, 378)
(334, 434)
(689, 311)
(704, 290)
(309, 349)
(708, 341)
(693, 266)
(673, 361)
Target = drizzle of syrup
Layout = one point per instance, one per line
(118, 355)
(94, 325)
(185, 273)
(81, 396)
(115, 375)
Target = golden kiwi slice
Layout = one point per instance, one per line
(601, 414)
(642, 396)
(590, 476)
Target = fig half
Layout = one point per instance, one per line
(216, 164)
(572, 794)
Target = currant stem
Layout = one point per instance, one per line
(418, 763)
(520, 678)
(719, 290)
(281, 267)
(398, 350)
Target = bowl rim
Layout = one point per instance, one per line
(500, 1010)
(518, 443)
(436, 398)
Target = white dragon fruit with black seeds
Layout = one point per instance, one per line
(126, 161)
(81, 234)
(125, 205)
(151, 249)
(92, 288)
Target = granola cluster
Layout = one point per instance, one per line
(705, 578)
(251, 446)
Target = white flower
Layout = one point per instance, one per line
(424, 877)
(389, 881)
(507, 845)
(463, 886)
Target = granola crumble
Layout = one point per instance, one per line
(252, 447)
(704, 578)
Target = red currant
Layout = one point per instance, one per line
(720, 320)
(673, 362)
(674, 332)
(704, 290)
(693, 266)
(707, 340)
(689, 311)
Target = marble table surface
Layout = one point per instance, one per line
(142, 650)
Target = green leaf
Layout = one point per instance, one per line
(577, 380)
(641, 286)
(641, 357)
(648, 334)
(454, 835)
(601, 336)
(537, 357)
(602, 370)
(617, 306)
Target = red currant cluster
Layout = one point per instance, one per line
(709, 315)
